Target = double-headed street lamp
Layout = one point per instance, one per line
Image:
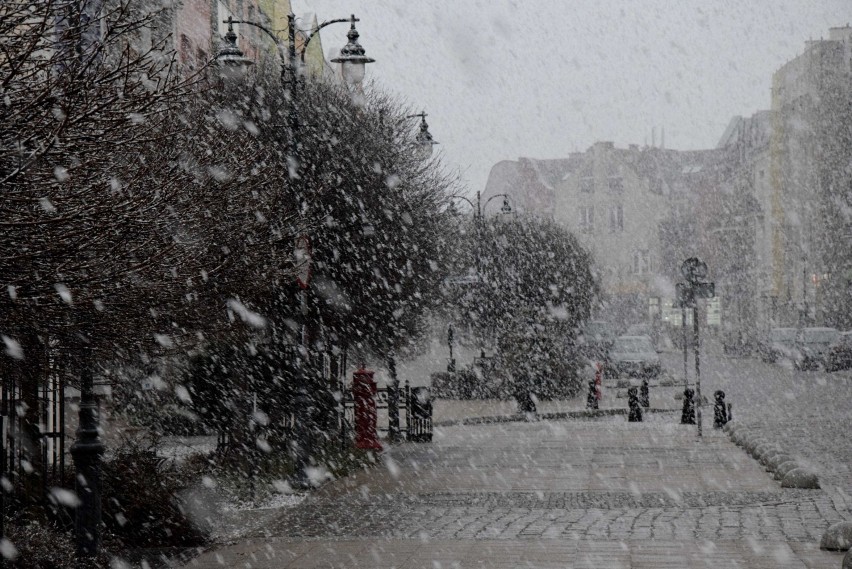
(352, 56)
(478, 208)
(353, 61)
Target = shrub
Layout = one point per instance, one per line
(140, 505)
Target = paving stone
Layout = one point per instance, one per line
(472, 501)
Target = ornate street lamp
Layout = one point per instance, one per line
(352, 56)
(353, 60)
(505, 209)
(232, 62)
(423, 141)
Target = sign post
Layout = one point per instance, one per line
(693, 271)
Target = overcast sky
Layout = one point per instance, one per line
(541, 78)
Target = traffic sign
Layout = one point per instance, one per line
(693, 269)
(704, 290)
(714, 312)
(684, 295)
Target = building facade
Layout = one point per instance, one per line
(769, 209)
(811, 182)
(628, 206)
(198, 28)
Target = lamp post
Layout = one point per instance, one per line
(423, 142)
(804, 312)
(87, 451)
(479, 208)
(505, 209)
(353, 60)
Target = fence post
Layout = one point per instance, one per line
(393, 401)
(635, 411)
(591, 398)
(720, 413)
(407, 396)
(687, 417)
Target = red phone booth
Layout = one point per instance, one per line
(364, 394)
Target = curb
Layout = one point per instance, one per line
(561, 415)
(773, 457)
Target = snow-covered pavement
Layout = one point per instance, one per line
(581, 493)
(808, 413)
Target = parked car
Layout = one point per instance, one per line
(736, 343)
(812, 346)
(780, 343)
(633, 356)
(839, 355)
(638, 330)
(595, 340)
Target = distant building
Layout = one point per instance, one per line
(531, 183)
(623, 205)
(745, 242)
(614, 206)
(811, 182)
(769, 209)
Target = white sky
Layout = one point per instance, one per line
(541, 78)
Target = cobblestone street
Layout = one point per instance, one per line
(581, 493)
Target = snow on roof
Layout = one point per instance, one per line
(729, 136)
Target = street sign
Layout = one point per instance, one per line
(693, 269)
(687, 293)
(684, 296)
(714, 312)
(704, 290)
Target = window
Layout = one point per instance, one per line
(587, 185)
(616, 184)
(186, 51)
(587, 219)
(641, 262)
(616, 218)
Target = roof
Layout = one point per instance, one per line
(530, 182)
(752, 131)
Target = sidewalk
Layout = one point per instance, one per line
(451, 411)
(599, 493)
